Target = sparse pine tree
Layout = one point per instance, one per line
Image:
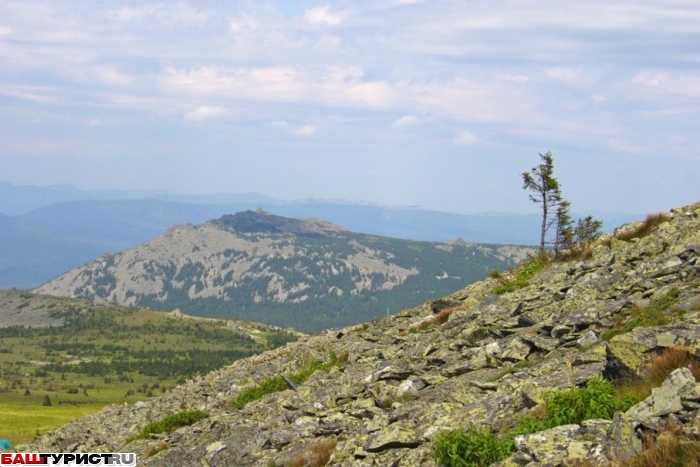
(547, 193)
(587, 231)
(564, 239)
(47, 401)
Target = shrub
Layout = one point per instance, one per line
(595, 400)
(173, 422)
(471, 448)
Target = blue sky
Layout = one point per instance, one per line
(441, 104)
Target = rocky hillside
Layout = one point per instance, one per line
(383, 392)
(306, 274)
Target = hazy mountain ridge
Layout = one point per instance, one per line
(276, 262)
(55, 229)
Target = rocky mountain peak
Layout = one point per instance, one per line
(263, 222)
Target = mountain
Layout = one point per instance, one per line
(19, 199)
(306, 274)
(63, 227)
(558, 369)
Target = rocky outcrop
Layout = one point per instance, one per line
(408, 378)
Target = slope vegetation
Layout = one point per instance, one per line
(62, 358)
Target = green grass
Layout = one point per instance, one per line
(470, 448)
(481, 448)
(172, 423)
(521, 275)
(654, 314)
(277, 384)
(127, 354)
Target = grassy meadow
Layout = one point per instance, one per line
(105, 355)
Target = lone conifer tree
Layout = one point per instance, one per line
(541, 181)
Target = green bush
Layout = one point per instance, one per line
(173, 422)
(472, 448)
(594, 401)
(276, 383)
(270, 385)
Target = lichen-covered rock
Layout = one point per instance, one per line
(667, 398)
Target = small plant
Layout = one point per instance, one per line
(471, 448)
(47, 401)
(495, 274)
(595, 400)
(173, 422)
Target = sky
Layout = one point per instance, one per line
(439, 104)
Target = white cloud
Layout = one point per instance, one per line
(31, 93)
(564, 74)
(517, 78)
(114, 77)
(465, 138)
(335, 86)
(303, 131)
(306, 130)
(406, 121)
(5, 31)
(243, 23)
(322, 15)
(127, 14)
(206, 113)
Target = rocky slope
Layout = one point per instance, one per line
(307, 274)
(408, 377)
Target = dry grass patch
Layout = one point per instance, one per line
(658, 369)
(317, 456)
(440, 318)
(671, 448)
(154, 449)
(642, 230)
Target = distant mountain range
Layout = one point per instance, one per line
(306, 274)
(46, 231)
